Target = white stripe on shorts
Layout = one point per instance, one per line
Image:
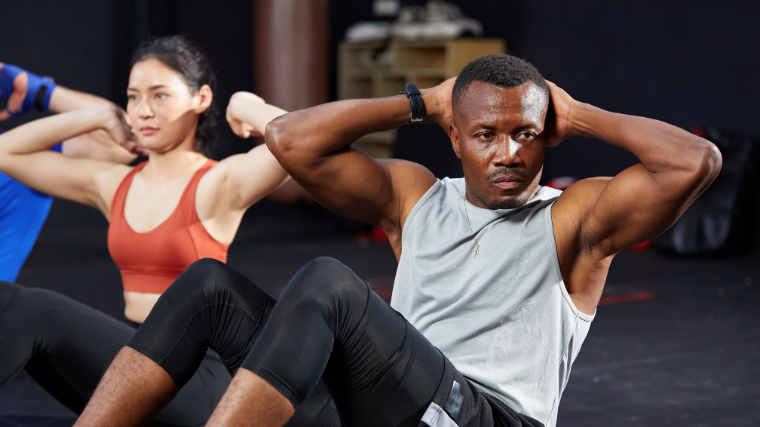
(435, 416)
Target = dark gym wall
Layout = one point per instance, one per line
(684, 62)
(71, 41)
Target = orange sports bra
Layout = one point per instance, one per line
(149, 262)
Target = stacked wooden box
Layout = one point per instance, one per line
(382, 68)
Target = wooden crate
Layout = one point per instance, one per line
(382, 68)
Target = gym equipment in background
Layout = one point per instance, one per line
(722, 220)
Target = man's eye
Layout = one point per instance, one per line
(527, 135)
(485, 135)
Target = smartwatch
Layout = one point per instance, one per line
(415, 101)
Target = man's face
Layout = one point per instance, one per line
(498, 133)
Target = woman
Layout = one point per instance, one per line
(22, 210)
(164, 214)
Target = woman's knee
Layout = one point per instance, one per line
(208, 282)
(205, 275)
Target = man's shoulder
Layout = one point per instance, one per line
(582, 193)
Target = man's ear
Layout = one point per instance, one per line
(204, 97)
(454, 136)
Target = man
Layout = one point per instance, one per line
(22, 210)
(499, 274)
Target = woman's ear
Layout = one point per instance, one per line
(454, 135)
(204, 97)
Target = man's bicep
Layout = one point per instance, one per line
(634, 206)
(353, 184)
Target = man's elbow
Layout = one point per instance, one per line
(276, 136)
(706, 161)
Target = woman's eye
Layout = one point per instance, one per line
(131, 97)
(160, 95)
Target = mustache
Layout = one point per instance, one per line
(507, 172)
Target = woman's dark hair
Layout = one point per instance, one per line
(182, 56)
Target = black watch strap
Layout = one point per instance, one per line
(415, 101)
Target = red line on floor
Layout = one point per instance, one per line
(640, 296)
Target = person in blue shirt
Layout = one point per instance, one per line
(22, 210)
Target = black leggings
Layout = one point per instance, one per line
(66, 347)
(328, 328)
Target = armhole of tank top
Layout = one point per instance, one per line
(196, 180)
(420, 203)
(555, 260)
(129, 176)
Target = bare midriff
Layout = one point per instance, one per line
(138, 305)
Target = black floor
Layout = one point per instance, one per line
(690, 356)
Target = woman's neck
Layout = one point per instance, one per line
(179, 161)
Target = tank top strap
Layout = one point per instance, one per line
(117, 203)
(186, 205)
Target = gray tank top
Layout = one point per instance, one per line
(503, 318)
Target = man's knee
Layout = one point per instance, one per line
(323, 280)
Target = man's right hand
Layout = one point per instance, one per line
(16, 97)
(437, 102)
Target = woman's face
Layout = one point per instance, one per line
(162, 110)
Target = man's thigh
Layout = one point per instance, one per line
(458, 403)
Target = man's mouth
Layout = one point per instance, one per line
(508, 182)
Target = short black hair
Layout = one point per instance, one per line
(182, 56)
(500, 70)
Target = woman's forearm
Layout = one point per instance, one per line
(249, 109)
(45, 133)
(64, 100)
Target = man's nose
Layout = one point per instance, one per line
(507, 152)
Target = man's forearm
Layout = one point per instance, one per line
(327, 128)
(658, 145)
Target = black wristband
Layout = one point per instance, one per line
(415, 101)
(39, 98)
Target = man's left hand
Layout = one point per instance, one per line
(559, 124)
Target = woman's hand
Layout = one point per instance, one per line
(559, 125)
(235, 114)
(116, 124)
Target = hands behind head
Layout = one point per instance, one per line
(437, 102)
(119, 130)
(559, 125)
(238, 102)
